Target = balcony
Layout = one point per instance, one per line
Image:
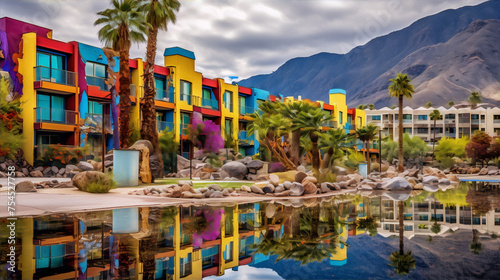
(246, 110)
(94, 122)
(57, 76)
(349, 126)
(474, 121)
(99, 82)
(331, 124)
(210, 103)
(407, 121)
(187, 98)
(161, 126)
(163, 95)
(496, 121)
(58, 116)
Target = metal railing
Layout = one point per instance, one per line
(210, 103)
(161, 126)
(97, 81)
(187, 98)
(246, 110)
(164, 95)
(332, 124)
(496, 121)
(407, 121)
(58, 76)
(51, 115)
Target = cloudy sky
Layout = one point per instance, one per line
(244, 37)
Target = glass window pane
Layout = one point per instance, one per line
(100, 70)
(57, 109)
(43, 59)
(89, 69)
(97, 108)
(57, 62)
(159, 83)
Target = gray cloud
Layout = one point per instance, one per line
(244, 37)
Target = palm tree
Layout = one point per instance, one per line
(122, 25)
(332, 143)
(451, 103)
(401, 261)
(367, 134)
(435, 115)
(428, 105)
(474, 98)
(371, 107)
(401, 87)
(291, 110)
(310, 123)
(158, 14)
(362, 106)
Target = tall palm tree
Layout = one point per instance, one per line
(401, 87)
(371, 107)
(475, 246)
(451, 103)
(310, 123)
(122, 25)
(332, 143)
(291, 110)
(435, 116)
(401, 261)
(366, 135)
(474, 98)
(158, 14)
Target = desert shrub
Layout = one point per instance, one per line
(135, 135)
(389, 150)
(375, 166)
(11, 124)
(482, 147)
(169, 148)
(327, 177)
(353, 159)
(103, 185)
(59, 155)
(413, 147)
(447, 148)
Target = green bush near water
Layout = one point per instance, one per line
(102, 185)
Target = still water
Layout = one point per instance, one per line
(451, 234)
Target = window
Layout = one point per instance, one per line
(422, 117)
(376, 118)
(407, 130)
(95, 69)
(407, 116)
(341, 117)
(160, 88)
(228, 100)
(186, 91)
(228, 128)
(422, 130)
(438, 130)
(50, 256)
(51, 67)
(228, 252)
(243, 105)
(474, 117)
(360, 121)
(95, 107)
(449, 116)
(185, 266)
(50, 108)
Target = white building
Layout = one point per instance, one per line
(459, 120)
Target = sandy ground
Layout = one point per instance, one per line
(48, 201)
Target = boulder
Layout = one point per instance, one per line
(55, 169)
(187, 188)
(282, 194)
(331, 186)
(69, 168)
(418, 186)
(365, 188)
(452, 177)
(296, 190)
(108, 163)
(226, 192)
(83, 166)
(493, 172)
(279, 188)
(444, 181)
(182, 163)
(62, 171)
(274, 179)
(204, 176)
(83, 179)
(235, 169)
(255, 164)
(309, 187)
(216, 194)
(324, 188)
(256, 189)
(185, 182)
(246, 188)
(287, 185)
(26, 172)
(340, 170)
(396, 184)
(36, 173)
(208, 193)
(269, 188)
(145, 148)
(430, 180)
(25, 186)
(310, 179)
(215, 187)
(63, 185)
(299, 176)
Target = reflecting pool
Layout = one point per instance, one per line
(445, 232)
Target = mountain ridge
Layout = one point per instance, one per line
(312, 77)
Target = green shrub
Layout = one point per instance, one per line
(135, 135)
(413, 147)
(447, 148)
(353, 159)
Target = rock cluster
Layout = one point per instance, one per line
(184, 189)
(28, 186)
(240, 169)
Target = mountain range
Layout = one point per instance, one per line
(447, 55)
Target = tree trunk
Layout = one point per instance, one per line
(434, 139)
(368, 156)
(124, 99)
(284, 160)
(400, 136)
(326, 159)
(148, 128)
(295, 147)
(315, 151)
(114, 116)
(401, 227)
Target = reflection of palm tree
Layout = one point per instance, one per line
(475, 246)
(401, 261)
(436, 228)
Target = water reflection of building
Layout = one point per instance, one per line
(421, 216)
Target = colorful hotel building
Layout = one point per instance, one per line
(64, 94)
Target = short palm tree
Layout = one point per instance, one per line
(332, 143)
(371, 107)
(401, 87)
(158, 14)
(474, 98)
(451, 103)
(291, 110)
(366, 135)
(435, 116)
(310, 124)
(122, 25)
(362, 106)
(428, 105)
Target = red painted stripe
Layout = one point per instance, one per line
(54, 45)
(245, 90)
(327, 107)
(161, 70)
(209, 82)
(132, 63)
